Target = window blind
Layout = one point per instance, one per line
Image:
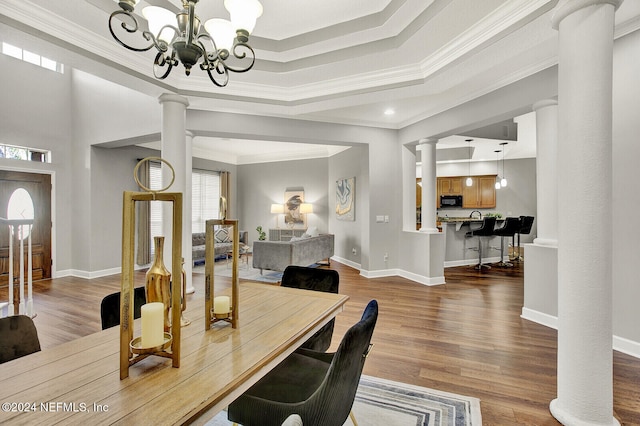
(205, 198)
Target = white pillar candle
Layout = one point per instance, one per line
(221, 305)
(152, 325)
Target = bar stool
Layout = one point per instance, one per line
(509, 228)
(525, 228)
(486, 230)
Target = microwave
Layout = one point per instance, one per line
(450, 201)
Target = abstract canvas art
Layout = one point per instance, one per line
(292, 201)
(345, 199)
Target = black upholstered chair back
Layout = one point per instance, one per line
(488, 223)
(319, 387)
(110, 307)
(316, 279)
(339, 390)
(18, 337)
(527, 224)
(510, 227)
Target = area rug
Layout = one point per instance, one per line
(382, 402)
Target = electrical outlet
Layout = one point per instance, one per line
(354, 251)
(386, 257)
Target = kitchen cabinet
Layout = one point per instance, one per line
(449, 186)
(481, 195)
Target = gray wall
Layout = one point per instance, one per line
(260, 185)
(34, 112)
(626, 196)
(353, 162)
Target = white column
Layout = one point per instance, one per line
(585, 355)
(428, 161)
(187, 240)
(173, 137)
(547, 172)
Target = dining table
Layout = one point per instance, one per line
(78, 382)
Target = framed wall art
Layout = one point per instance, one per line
(345, 199)
(292, 201)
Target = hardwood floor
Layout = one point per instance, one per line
(465, 337)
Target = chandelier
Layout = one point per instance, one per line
(180, 37)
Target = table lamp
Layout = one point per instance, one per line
(277, 209)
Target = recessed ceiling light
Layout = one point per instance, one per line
(389, 111)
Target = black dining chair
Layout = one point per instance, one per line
(320, 387)
(486, 230)
(110, 307)
(18, 337)
(509, 228)
(315, 279)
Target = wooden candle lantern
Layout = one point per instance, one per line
(131, 350)
(220, 308)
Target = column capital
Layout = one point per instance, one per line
(544, 103)
(567, 7)
(170, 97)
(425, 141)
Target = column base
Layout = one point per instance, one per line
(568, 419)
(430, 230)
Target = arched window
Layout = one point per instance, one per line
(21, 207)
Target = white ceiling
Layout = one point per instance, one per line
(332, 60)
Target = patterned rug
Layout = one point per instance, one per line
(382, 402)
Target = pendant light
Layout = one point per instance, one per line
(497, 151)
(469, 181)
(503, 181)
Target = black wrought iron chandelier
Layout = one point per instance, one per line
(180, 38)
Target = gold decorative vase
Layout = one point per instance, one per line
(158, 282)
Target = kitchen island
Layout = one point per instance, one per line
(460, 249)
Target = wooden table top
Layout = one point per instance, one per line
(78, 382)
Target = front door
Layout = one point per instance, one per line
(38, 186)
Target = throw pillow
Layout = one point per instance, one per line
(312, 231)
(222, 235)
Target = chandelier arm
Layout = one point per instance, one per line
(162, 61)
(131, 29)
(221, 69)
(242, 55)
(211, 55)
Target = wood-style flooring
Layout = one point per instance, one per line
(465, 337)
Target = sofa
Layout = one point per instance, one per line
(222, 243)
(305, 251)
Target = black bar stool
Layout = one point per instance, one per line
(486, 230)
(509, 228)
(525, 228)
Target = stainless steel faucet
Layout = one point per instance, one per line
(476, 211)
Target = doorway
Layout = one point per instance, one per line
(38, 187)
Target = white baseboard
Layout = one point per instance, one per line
(540, 318)
(626, 346)
(347, 262)
(620, 344)
(78, 273)
(381, 273)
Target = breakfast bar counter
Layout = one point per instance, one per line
(459, 249)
